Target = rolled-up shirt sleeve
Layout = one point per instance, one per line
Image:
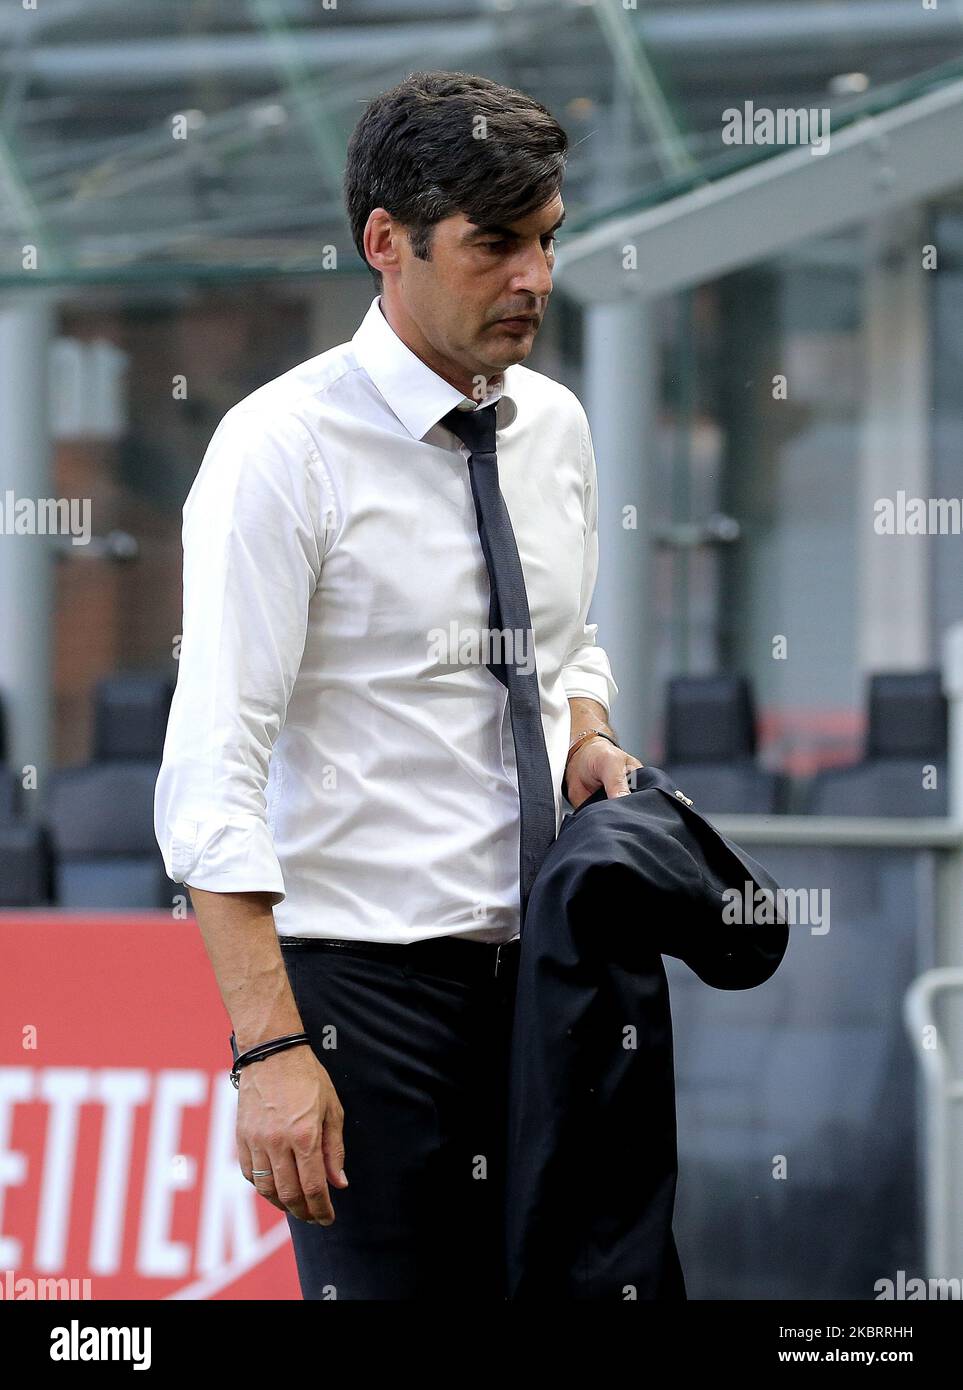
(587, 670)
(254, 527)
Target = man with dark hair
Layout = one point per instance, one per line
(387, 683)
(493, 155)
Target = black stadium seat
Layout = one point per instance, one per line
(101, 824)
(101, 815)
(907, 733)
(25, 868)
(9, 795)
(130, 716)
(710, 746)
(25, 865)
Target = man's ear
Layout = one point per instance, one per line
(380, 239)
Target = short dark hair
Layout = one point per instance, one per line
(415, 153)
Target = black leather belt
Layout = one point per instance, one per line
(452, 956)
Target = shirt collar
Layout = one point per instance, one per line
(417, 395)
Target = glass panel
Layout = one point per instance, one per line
(813, 1069)
(152, 141)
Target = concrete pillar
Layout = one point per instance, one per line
(893, 571)
(26, 561)
(619, 400)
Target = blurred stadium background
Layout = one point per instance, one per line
(780, 327)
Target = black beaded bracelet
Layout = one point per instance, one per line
(260, 1051)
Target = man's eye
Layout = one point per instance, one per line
(502, 245)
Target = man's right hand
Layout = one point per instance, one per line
(289, 1120)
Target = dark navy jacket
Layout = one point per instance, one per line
(592, 1159)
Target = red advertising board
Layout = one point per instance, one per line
(117, 1116)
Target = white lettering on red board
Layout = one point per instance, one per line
(228, 1229)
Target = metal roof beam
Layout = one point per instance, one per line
(878, 164)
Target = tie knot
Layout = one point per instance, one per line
(476, 428)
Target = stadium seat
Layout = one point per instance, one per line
(101, 815)
(130, 716)
(25, 865)
(907, 734)
(710, 746)
(9, 795)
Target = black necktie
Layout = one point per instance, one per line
(508, 612)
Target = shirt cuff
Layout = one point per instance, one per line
(232, 856)
(591, 685)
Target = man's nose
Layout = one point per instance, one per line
(535, 276)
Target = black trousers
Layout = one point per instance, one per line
(419, 1059)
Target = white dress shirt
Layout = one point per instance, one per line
(335, 738)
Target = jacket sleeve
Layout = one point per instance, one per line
(253, 538)
(586, 670)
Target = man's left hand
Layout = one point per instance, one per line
(598, 763)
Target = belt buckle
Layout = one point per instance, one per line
(498, 957)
